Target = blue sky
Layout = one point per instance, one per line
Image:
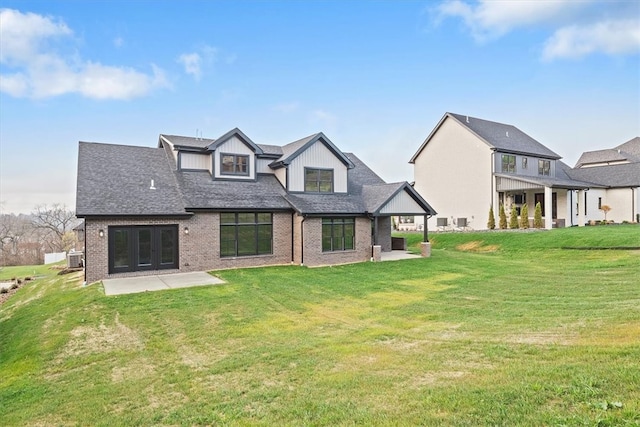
(374, 76)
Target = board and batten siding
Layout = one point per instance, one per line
(530, 170)
(402, 203)
(317, 156)
(262, 166)
(235, 146)
(195, 161)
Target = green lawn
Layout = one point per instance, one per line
(495, 328)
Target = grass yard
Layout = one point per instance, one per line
(495, 329)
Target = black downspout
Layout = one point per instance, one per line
(293, 214)
(375, 230)
(302, 240)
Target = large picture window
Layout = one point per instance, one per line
(338, 234)
(245, 233)
(234, 164)
(138, 248)
(318, 180)
(544, 167)
(508, 163)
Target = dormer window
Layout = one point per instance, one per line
(318, 180)
(544, 167)
(234, 164)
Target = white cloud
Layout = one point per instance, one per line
(118, 42)
(194, 62)
(612, 37)
(579, 27)
(491, 19)
(27, 47)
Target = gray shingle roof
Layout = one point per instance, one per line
(201, 192)
(600, 156)
(185, 141)
(504, 137)
(632, 147)
(625, 175)
(629, 151)
(498, 136)
(116, 180)
(271, 150)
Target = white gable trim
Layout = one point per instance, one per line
(400, 204)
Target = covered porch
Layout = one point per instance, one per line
(395, 200)
(561, 201)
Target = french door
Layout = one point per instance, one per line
(139, 248)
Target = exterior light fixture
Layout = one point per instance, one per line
(186, 230)
(101, 233)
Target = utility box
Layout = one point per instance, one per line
(74, 260)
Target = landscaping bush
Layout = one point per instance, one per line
(491, 224)
(524, 217)
(513, 218)
(537, 217)
(503, 218)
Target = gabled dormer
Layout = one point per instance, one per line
(312, 165)
(234, 156)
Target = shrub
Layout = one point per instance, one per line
(524, 217)
(491, 224)
(537, 217)
(503, 218)
(605, 209)
(513, 218)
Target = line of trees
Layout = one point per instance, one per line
(24, 239)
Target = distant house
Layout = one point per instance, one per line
(616, 175)
(467, 165)
(201, 204)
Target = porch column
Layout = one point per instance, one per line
(426, 231)
(581, 218)
(548, 208)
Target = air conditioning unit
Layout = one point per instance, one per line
(74, 260)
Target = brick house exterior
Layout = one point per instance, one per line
(194, 204)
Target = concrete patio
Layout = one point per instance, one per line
(132, 285)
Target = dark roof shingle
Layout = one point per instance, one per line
(116, 180)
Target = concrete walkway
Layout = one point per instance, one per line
(132, 285)
(397, 255)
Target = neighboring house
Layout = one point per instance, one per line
(616, 172)
(468, 164)
(202, 204)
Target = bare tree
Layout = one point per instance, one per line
(56, 221)
(18, 241)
